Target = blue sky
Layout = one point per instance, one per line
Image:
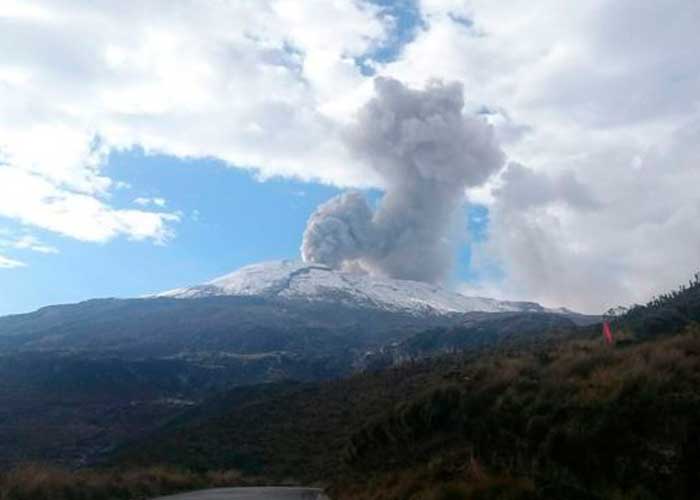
(229, 218)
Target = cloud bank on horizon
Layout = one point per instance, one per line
(595, 105)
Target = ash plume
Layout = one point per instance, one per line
(426, 152)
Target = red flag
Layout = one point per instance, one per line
(607, 333)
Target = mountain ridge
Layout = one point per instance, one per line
(320, 283)
(266, 323)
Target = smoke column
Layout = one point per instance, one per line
(427, 153)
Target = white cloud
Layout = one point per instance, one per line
(29, 242)
(7, 263)
(35, 201)
(144, 201)
(248, 83)
(599, 102)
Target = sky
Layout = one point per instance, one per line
(147, 146)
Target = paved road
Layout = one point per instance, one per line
(250, 494)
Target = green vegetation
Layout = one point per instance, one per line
(574, 419)
(577, 420)
(666, 314)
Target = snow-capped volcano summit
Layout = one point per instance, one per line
(319, 283)
(287, 319)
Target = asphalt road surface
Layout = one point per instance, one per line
(250, 494)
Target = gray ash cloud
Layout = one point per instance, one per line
(427, 153)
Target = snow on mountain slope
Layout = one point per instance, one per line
(319, 283)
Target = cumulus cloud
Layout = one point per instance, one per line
(253, 84)
(620, 231)
(35, 201)
(426, 152)
(603, 99)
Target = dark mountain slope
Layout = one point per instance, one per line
(563, 417)
(286, 306)
(476, 331)
(122, 363)
(140, 328)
